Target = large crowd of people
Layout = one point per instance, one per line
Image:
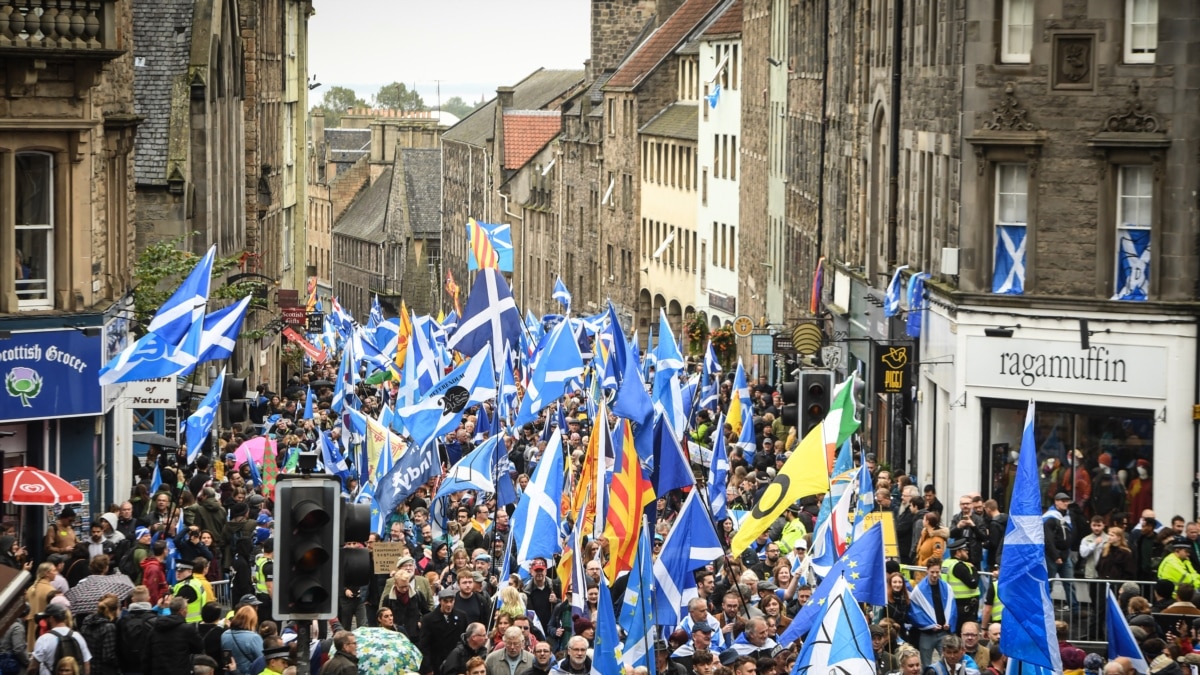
(179, 579)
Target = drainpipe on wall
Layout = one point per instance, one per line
(894, 134)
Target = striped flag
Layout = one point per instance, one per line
(483, 253)
(629, 494)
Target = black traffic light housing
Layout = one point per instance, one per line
(816, 390)
(307, 577)
(790, 412)
(235, 407)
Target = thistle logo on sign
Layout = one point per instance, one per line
(23, 383)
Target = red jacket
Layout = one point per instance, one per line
(154, 578)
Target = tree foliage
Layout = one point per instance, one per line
(396, 96)
(162, 267)
(458, 107)
(336, 102)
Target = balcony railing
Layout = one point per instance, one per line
(82, 27)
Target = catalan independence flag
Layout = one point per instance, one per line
(629, 494)
(483, 253)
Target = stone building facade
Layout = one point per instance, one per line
(67, 232)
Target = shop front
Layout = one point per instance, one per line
(1113, 421)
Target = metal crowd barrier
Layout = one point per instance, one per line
(221, 591)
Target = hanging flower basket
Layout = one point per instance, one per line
(725, 345)
(696, 331)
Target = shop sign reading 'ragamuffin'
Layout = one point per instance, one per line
(1040, 365)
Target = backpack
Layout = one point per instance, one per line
(133, 632)
(127, 564)
(67, 646)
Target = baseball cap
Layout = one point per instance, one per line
(249, 599)
(801, 544)
(1062, 496)
(538, 564)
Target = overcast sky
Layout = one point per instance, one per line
(471, 46)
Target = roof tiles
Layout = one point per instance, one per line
(659, 45)
(729, 23)
(526, 132)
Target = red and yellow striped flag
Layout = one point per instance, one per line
(402, 337)
(481, 246)
(629, 495)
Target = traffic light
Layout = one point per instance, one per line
(234, 405)
(816, 387)
(357, 568)
(790, 412)
(307, 579)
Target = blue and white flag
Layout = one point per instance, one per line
(632, 401)
(714, 96)
(1121, 641)
(376, 316)
(1008, 275)
(917, 304)
(333, 459)
(1023, 586)
(199, 424)
(476, 471)
(412, 469)
(538, 511)
(354, 440)
(865, 574)
(866, 501)
(711, 365)
(840, 640)
(152, 357)
(691, 544)
(221, 329)
(718, 473)
(450, 323)
(637, 615)
(343, 321)
(490, 317)
(671, 470)
(186, 305)
(439, 411)
(561, 294)
(606, 657)
(557, 364)
(923, 612)
(308, 404)
(1133, 265)
(891, 299)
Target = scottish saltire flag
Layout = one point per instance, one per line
(332, 457)
(152, 357)
(1028, 634)
(218, 337)
(606, 656)
(632, 401)
(1121, 641)
(714, 96)
(538, 511)
(668, 362)
(556, 365)
(413, 468)
(490, 316)
(490, 246)
(1133, 265)
(483, 425)
(711, 365)
(746, 440)
(831, 536)
(200, 423)
(840, 640)
(620, 349)
(354, 439)
(308, 404)
(342, 320)
(718, 473)
(708, 396)
(739, 400)
(863, 570)
(671, 469)
(923, 612)
(1008, 275)
(341, 388)
(476, 471)
(891, 299)
(691, 544)
(743, 647)
(186, 305)
(637, 615)
(442, 407)
(450, 323)
(866, 500)
(376, 316)
(561, 294)
(917, 304)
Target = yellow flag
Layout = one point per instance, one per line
(402, 338)
(377, 440)
(803, 475)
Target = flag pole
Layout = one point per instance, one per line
(725, 551)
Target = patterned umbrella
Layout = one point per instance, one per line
(25, 485)
(87, 593)
(385, 652)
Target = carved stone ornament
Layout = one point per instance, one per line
(1135, 118)
(1009, 115)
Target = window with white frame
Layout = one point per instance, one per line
(1016, 38)
(34, 229)
(1135, 221)
(1012, 219)
(1141, 30)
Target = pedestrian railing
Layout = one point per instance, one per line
(222, 593)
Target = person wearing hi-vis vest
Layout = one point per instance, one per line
(190, 589)
(264, 569)
(963, 580)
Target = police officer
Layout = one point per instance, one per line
(264, 578)
(190, 589)
(964, 581)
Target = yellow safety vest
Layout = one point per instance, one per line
(260, 577)
(193, 615)
(961, 590)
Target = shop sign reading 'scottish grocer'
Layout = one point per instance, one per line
(50, 373)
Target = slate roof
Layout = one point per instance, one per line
(423, 182)
(729, 21)
(678, 120)
(526, 132)
(162, 36)
(661, 43)
(364, 218)
(347, 145)
(532, 93)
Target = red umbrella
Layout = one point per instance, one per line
(25, 485)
